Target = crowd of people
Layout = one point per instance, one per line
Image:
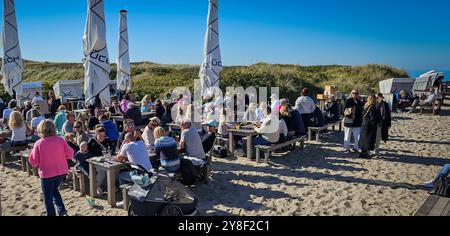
(63, 140)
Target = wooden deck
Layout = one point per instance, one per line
(435, 206)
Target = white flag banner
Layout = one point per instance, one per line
(123, 56)
(212, 62)
(12, 66)
(96, 59)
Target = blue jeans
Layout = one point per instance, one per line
(445, 171)
(125, 178)
(52, 196)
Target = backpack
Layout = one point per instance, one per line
(220, 151)
(187, 172)
(442, 187)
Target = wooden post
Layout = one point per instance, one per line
(249, 147)
(317, 135)
(111, 187)
(266, 157)
(231, 143)
(309, 134)
(75, 183)
(92, 180)
(82, 184)
(23, 159)
(257, 155)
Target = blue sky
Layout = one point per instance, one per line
(411, 34)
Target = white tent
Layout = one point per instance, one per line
(123, 57)
(96, 61)
(394, 85)
(212, 61)
(12, 66)
(68, 89)
(428, 81)
(28, 89)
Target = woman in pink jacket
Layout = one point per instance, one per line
(50, 155)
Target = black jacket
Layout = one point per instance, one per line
(295, 123)
(369, 128)
(333, 111)
(135, 114)
(96, 149)
(385, 120)
(160, 112)
(357, 122)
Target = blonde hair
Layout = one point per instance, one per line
(144, 100)
(159, 132)
(370, 101)
(46, 128)
(15, 120)
(69, 136)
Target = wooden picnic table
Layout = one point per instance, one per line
(112, 168)
(26, 166)
(435, 206)
(249, 133)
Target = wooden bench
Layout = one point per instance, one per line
(317, 130)
(26, 166)
(435, 108)
(5, 152)
(435, 206)
(267, 149)
(78, 181)
(126, 200)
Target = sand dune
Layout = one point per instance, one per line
(320, 180)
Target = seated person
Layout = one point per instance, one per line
(134, 113)
(96, 146)
(403, 100)
(110, 129)
(81, 158)
(115, 108)
(209, 137)
(68, 125)
(332, 110)
(26, 109)
(293, 120)
(317, 119)
(70, 140)
(93, 119)
(427, 102)
(19, 129)
(35, 120)
(6, 112)
(37, 98)
(80, 134)
(269, 132)
(166, 149)
(445, 171)
(60, 118)
(147, 135)
(135, 152)
(128, 128)
(190, 141)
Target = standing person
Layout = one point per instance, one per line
(353, 116)
(332, 110)
(60, 118)
(305, 106)
(384, 124)
(371, 118)
(70, 122)
(50, 155)
(53, 103)
(80, 134)
(37, 98)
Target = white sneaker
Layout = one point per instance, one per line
(100, 192)
(120, 204)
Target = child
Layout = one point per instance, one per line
(81, 158)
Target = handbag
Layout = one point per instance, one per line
(349, 115)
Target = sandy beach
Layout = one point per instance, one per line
(319, 180)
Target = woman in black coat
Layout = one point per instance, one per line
(385, 122)
(369, 126)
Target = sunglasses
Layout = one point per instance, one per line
(76, 127)
(355, 93)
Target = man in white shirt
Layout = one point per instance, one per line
(147, 135)
(190, 141)
(37, 97)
